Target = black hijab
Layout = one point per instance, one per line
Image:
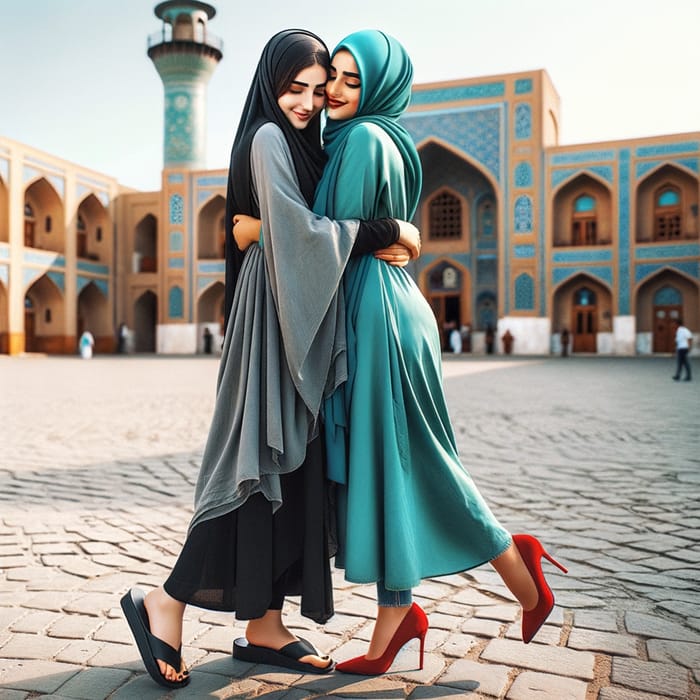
(284, 56)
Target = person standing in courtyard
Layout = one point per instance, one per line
(261, 525)
(684, 341)
(408, 509)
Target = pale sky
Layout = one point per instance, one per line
(75, 79)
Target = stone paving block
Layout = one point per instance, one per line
(35, 621)
(482, 627)
(503, 613)
(31, 646)
(685, 653)
(56, 581)
(652, 626)
(458, 645)
(116, 631)
(610, 643)
(34, 675)
(489, 679)
(91, 604)
(79, 651)
(75, 626)
(650, 676)
(94, 683)
(6, 694)
(546, 686)
(74, 564)
(547, 634)
(441, 692)
(538, 657)
(113, 655)
(618, 693)
(603, 621)
(344, 685)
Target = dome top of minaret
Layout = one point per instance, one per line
(169, 10)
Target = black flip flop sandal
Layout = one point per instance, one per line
(151, 648)
(287, 657)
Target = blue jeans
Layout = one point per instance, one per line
(392, 599)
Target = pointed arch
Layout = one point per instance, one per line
(211, 232)
(582, 225)
(93, 230)
(46, 229)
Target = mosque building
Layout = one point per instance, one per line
(520, 233)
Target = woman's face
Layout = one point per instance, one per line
(344, 88)
(305, 97)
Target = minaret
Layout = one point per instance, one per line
(185, 55)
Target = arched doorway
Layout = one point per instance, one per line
(444, 296)
(584, 320)
(94, 316)
(145, 256)
(44, 317)
(210, 314)
(211, 234)
(668, 306)
(92, 229)
(4, 213)
(4, 321)
(44, 218)
(145, 316)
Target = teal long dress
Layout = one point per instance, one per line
(408, 508)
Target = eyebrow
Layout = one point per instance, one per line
(298, 82)
(348, 73)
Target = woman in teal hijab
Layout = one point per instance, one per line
(408, 508)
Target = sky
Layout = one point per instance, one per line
(76, 82)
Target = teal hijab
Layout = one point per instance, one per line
(386, 74)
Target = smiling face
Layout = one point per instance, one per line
(344, 88)
(305, 97)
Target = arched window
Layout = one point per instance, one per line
(82, 237)
(486, 219)
(445, 217)
(28, 210)
(584, 221)
(667, 214)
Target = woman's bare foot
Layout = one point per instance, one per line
(388, 621)
(269, 631)
(165, 620)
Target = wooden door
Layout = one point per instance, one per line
(29, 331)
(584, 321)
(664, 339)
(28, 234)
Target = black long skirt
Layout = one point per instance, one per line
(249, 560)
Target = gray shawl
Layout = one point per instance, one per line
(284, 348)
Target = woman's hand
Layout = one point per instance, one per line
(396, 254)
(246, 230)
(409, 236)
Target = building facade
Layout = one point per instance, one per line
(521, 234)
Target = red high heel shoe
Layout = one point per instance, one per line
(414, 625)
(532, 551)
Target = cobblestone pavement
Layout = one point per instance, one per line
(600, 457)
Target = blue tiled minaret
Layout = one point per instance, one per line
(185, 55)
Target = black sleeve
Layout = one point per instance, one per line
(375, 235)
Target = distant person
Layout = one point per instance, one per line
(86, 344)
(684, 339)
(465, 331)
(564, 340)
(455, 340)
(122, 337)
(507, 339)
(489, 337)
(208, 337)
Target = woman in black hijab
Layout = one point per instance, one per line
(261, 524)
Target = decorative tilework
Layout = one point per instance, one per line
(523, 86)
(4, 251)
(458, 93)
(31, 173)
(624, 263)
(603, 171)
(475, 131)
(605, 274)
(211, 268)
(176, 263)
(176, 242)
(524, 292)
(524, 251)
(4, 274)
(176, 178)
(522, 176)
(581, 157)
(102, 285)
(523, 121)
(582, 255)
(522, 222)
(176, 209)
(36, 257)
(670, 250)
(667, 149)
(668, 296)
(212, 181)
(646, 166)
(203, 195)
(179, 126)
(58, 278)
(689, 268)
(94, 268)
(175, 302)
